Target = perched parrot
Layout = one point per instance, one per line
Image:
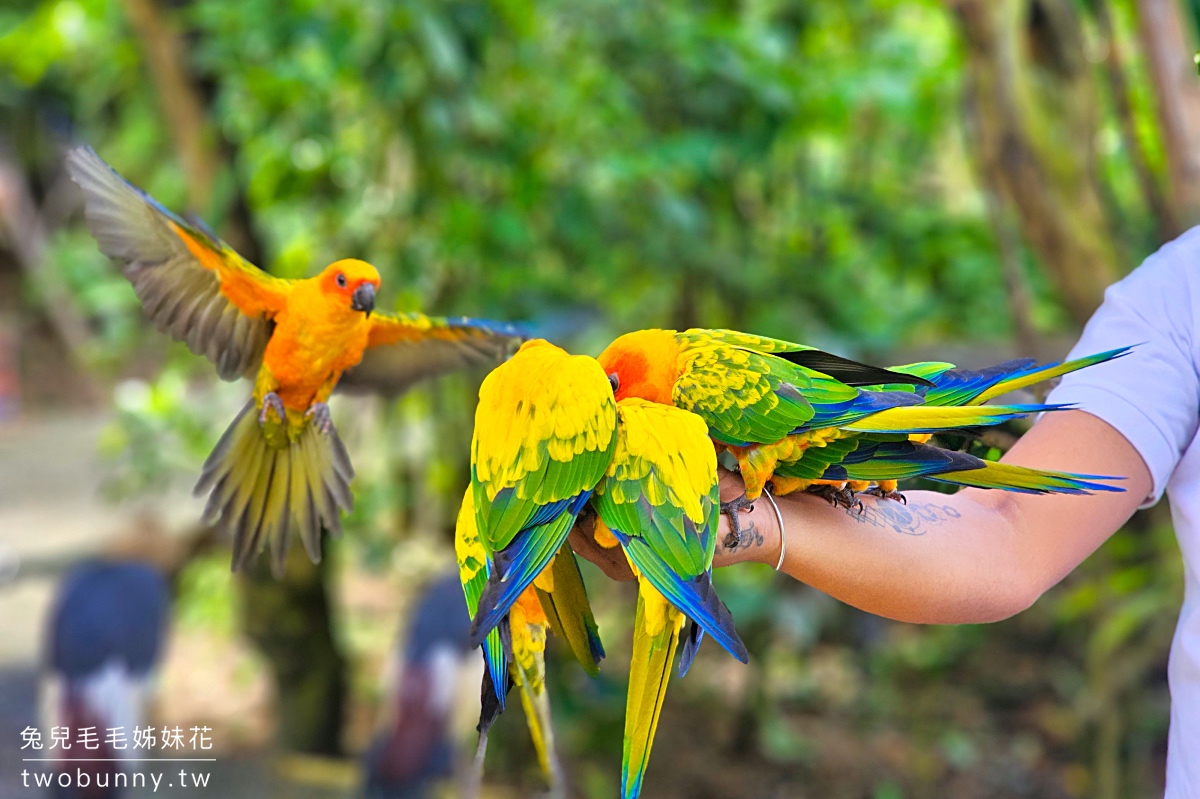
(544, 435)
(659, 502)
(771, 402)
(280, 467)
(545, 430)
(549, 437)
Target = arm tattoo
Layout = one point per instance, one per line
(906, 519)
(751, 538)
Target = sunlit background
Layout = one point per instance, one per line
(886, 179)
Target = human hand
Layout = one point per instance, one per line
(760, 540)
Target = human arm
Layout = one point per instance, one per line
(969, 557)
(974, 556)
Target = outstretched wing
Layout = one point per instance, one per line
(193, 286)
(407, 347)
(659, 498)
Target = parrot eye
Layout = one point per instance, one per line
(615, 381)
(341, 280)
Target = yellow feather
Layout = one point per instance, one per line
(566, 409)
(671, 443)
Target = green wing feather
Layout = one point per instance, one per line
(544, 433)
(662, 485)
(746, 396)
(815, 460)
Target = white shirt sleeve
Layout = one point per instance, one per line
(1152, 395)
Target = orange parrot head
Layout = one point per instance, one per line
(351, 282)
(643, 364)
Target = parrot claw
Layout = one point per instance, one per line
(838, 497)
(319, 413)
(896, 496)
(271, 401)
(732, 509)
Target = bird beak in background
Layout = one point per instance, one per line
(363, 298)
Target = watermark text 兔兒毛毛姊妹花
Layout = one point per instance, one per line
(94, 757)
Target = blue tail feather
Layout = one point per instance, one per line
(695, 597)
(516, 567)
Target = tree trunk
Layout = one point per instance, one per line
(185, 111)
(182, 106)
(1166, 44)
(1036, 124)
(289, 622)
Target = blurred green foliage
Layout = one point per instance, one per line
(800, 169)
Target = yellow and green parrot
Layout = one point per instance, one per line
(545, 430)
(659, 502)
(771, 403)
(549, 437)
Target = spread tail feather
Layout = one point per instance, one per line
(649, 672)
(259, 492)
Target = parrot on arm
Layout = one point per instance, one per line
(550, 438)
(545, 430)
(659, 502)
(280, 467)
(766, 407)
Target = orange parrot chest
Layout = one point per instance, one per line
(313, 344)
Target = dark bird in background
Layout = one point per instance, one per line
(416, 750)
(104, 638)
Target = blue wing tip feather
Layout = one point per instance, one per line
(694, 597)
(512, 329)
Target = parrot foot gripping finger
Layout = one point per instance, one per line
(838, 497)
(732, 509)
(876, 491)
(319, 413)
(271, 401)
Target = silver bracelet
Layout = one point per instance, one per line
(782, 532)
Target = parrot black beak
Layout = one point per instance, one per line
(363, 298)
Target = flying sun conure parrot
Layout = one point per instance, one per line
(770, 402)
(280, 467)
(659, 502)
